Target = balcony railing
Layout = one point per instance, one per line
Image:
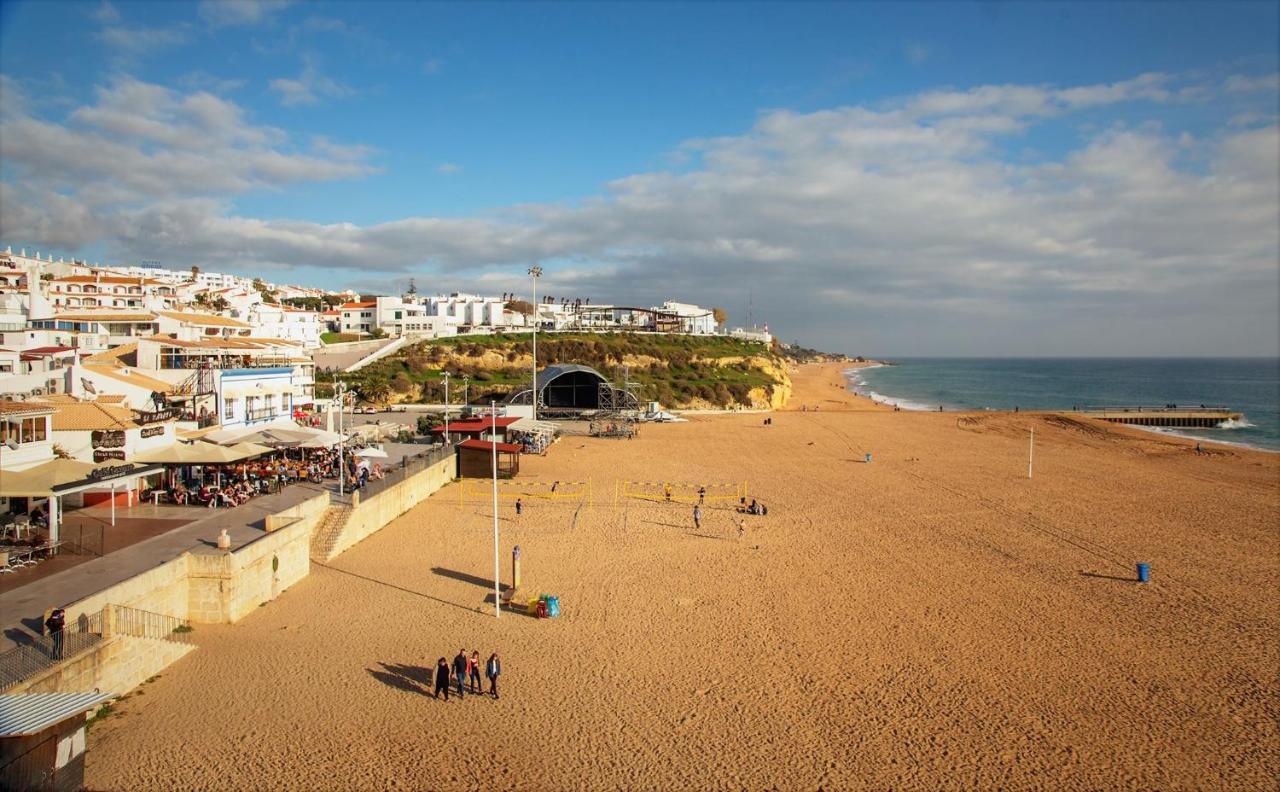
(261, 413)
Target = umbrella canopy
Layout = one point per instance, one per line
(372, 453)
(202, 453)
(41, 481)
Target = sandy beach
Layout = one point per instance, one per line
(930, 620)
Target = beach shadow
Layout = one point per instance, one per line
(392, 585)
(22, 637)
(518, 609)
(1108, 577)
(707, 536)
(465, 577)
(667, 525)
(411, 679)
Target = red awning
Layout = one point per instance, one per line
(485, 445)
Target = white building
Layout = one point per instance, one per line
(255, 396)
(693, 319)
(25, 435)
(282, 321)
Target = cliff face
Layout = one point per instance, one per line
(676, 371)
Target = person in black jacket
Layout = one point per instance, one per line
(54, 626)
(442, 679)
(493, 669)
(460, 671)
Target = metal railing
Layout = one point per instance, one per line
(260, 413)
(46, 651)
(409, 466)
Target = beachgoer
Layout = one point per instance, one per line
(697, 516)
(493, 669)
(519, 507)
(753, 508)
(473, 671)
(666, 489)
(460, 671)
(702, 494)
(764, 510)
(442, 679)
(742, 527)
(555, 485)
(54, 626)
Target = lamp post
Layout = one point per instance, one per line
(466, 390)
(535, 272)
(446, 408)
(339, 391)
(493, 444)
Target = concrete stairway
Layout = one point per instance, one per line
(327, 532)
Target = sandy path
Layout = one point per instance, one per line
(931, 620)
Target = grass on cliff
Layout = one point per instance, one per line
(681, 375)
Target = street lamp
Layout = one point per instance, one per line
(340, 391)
(466, 393)
(535, 272)
(446, 408)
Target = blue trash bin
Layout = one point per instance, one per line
(1144, 573)
(868, 459)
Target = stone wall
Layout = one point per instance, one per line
(369, 516)
(116, 665)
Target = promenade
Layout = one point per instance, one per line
(22, 609)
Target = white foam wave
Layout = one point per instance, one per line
(1243, 423)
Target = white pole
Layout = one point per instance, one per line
(342, 468)
(535, 272)
(113, 504)
(1031, 451)
(446, 408)
(493, 413)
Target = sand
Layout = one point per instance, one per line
(931, 620)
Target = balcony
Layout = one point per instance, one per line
(260, 413)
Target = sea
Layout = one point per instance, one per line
(1247, 385)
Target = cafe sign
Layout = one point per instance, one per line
(102, 455)
(152, 431)
(115, 471)
(108, 438)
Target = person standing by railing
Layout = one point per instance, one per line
(55, 625)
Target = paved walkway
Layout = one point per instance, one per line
(22, 610)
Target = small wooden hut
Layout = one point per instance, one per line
(475, 459)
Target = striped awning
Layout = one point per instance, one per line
(31, 713)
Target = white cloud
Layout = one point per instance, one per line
(106, 13)
(448, 168)
(226, 13)
(915, 52)
(141, 40)
(309, 87)
(1266, 83)
(895, 224)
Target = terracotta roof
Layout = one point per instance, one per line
(80, 416)
(351, 305)
(17, 408)
(505, 448)
(122, 280)
(111, 356)
(47, 350)
(131, 376)
(206, 320)
(106, 317)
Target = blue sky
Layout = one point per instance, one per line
(902, 179)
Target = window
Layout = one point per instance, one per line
(27, 430)
(228, 409)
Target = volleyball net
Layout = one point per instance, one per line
(481, 490)
(680, 491)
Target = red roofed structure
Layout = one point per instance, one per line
(475, 459)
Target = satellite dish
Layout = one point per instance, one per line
(88, 386)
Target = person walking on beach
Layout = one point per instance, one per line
(492, 669)
(666, 491)
(473, 671)
(742, 527)
(702, 494)
(55, 625)
(442, 679)
(460, 671)
(519, 507)
(697, 516)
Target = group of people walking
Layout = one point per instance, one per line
(465, 672)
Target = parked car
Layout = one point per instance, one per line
(366, 409)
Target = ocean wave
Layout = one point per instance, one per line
(858, 386)
(1161, 430)
(1243, 423)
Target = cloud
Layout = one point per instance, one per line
(227, 13)
(141, 40)
(309, 87)
(139, 142)
(106, 13)
(448, 168)
(900, 228)
(915, 53)
(432, 66)
(1266, 83)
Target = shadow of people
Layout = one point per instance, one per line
(411, 679)
(1108, 577)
